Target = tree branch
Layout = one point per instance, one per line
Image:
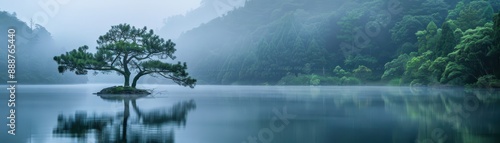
(119, 53)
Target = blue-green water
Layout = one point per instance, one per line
(254, 114)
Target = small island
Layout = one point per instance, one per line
(123, 90)
(125, 49)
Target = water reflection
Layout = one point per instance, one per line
(449, 115)
(323, 114)
(147, 126)
(397, 115)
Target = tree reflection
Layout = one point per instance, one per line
(153, 126)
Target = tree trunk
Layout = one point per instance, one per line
(126, 70)
(136, 109)
(127, 80)
(136, 78)
(126, 114)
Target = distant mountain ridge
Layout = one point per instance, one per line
(175, 25)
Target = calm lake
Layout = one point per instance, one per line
(254, 114)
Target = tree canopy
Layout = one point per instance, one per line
(125, 49)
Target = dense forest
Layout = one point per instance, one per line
(209, 9)
(34, 52)
(341, 42)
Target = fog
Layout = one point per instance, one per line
(74, 23)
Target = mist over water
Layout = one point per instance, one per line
(70, 113)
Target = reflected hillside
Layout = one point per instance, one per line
(155, 125)
(454, 115)
(397, 114)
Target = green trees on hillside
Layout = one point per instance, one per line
(474, 14)
(454, 56)
(339, 42)
(395, 68)
(404, 30)
(461, 51)
(448, 39)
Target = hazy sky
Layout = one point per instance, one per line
(78, 22)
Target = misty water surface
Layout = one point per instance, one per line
(245, 114)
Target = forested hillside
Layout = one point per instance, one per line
(208, 10)
(34, 64)
(341, 42)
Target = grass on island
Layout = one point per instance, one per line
(123, 90)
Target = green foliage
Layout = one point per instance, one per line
(448, 39)
(349, 81)
(473, 14)
(362, 72)
(432, 28)
(470, 61)
(495, 49)
(454, 72)
(487, 81)
(417, 69)
(339, 72)
(496, 30)
(394, 82)
(396, 67)
(330, 81)
(125, 49)
(294, 80)
(363, 29)
(123, 90)
(427, 39)
(404, 30)
(454, 13)
(407, 48)
(451, 56)
(315, 80)
(437, 68)
(301, 80)
(353, 61)
(277, 57)
(435, 8)
(346, 23)
(474, 47)
(401, 32)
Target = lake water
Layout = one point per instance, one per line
(254, 114)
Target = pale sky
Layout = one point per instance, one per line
(79, 22)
